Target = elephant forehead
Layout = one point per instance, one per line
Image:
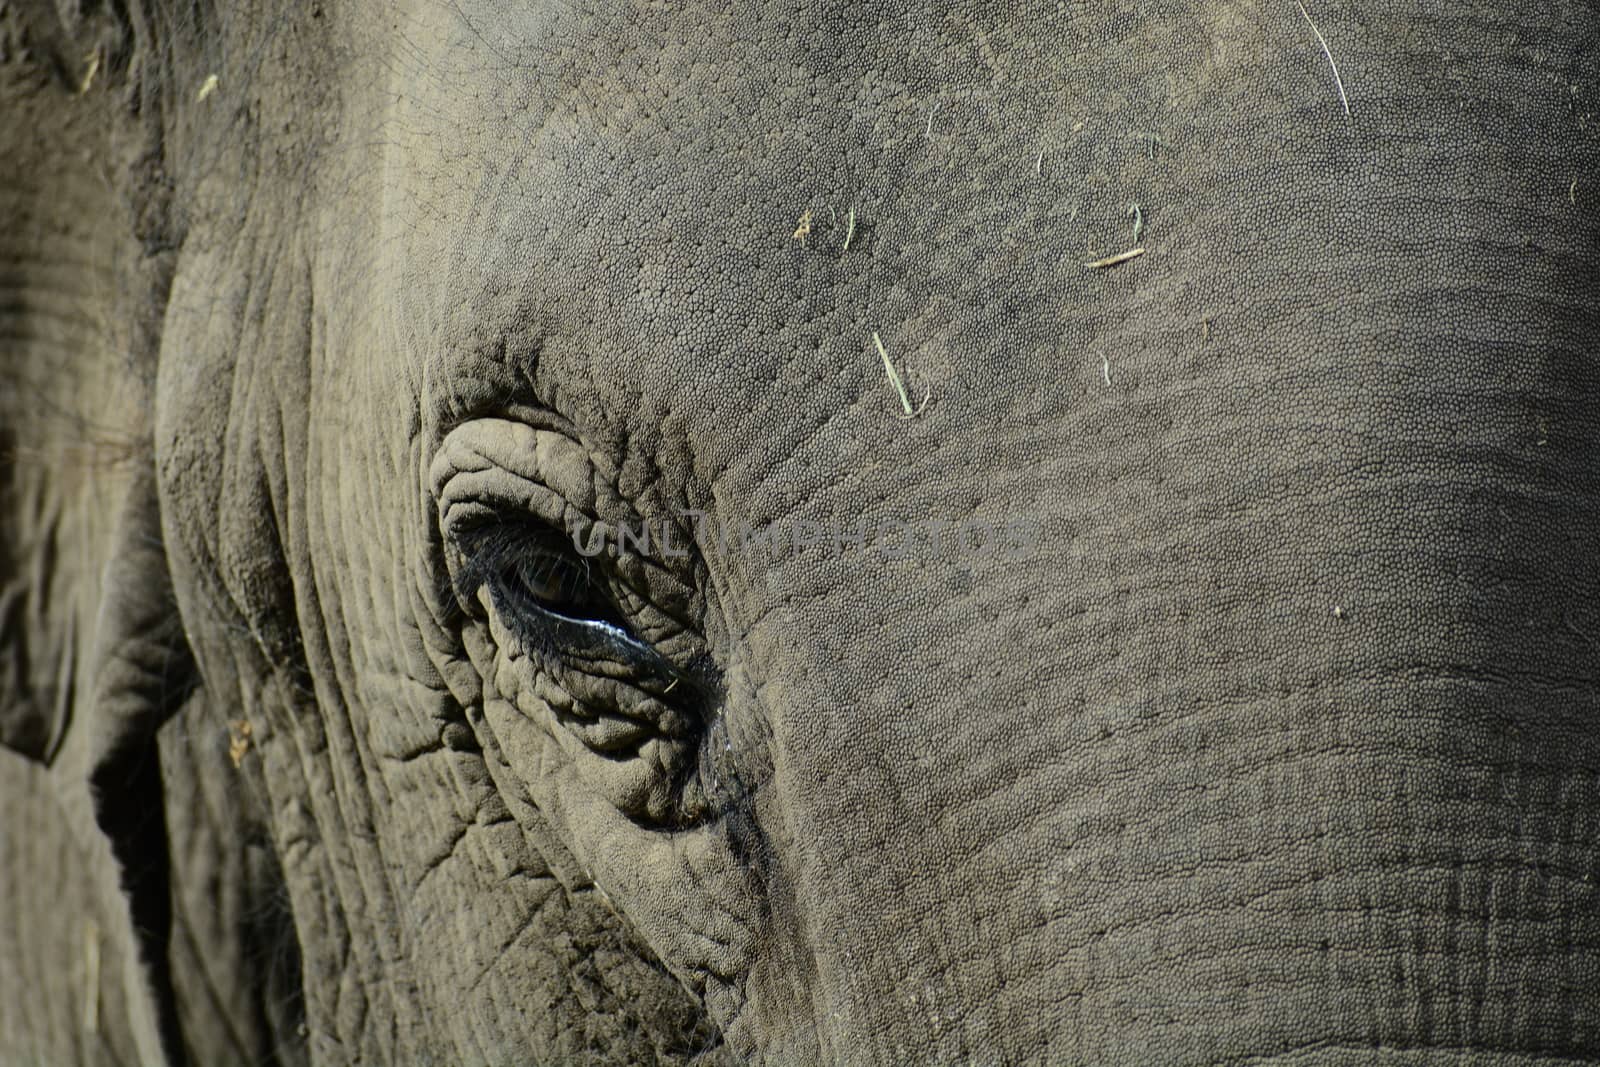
(701, 228)
(709, 227)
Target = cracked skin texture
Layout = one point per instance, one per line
(1282, 746)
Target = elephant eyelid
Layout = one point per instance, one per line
(532, 547)
(517, 562)
(536, 563)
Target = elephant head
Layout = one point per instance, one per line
(815, 533)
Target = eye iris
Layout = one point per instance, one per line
(554, 582)
(532, 571)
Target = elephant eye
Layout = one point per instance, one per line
(594, 637)
(532, 572)
(537, 568)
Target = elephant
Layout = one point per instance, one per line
(837, 532)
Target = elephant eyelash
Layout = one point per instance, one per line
(528, 569)
(542, 564)
(525, 566)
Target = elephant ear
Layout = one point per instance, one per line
(141, 673)
(108, 638)
(33, 718)
(80, 44)
(86, 269)
(68, 423)
(92, 655)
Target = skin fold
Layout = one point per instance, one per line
(800, 533)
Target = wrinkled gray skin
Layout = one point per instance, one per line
(1283, 745)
